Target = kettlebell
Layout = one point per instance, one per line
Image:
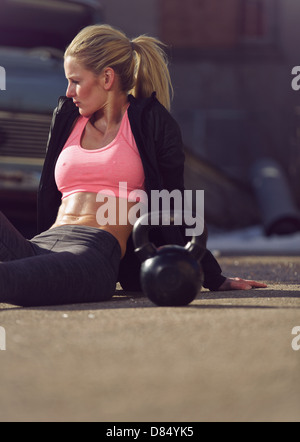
(171, 275)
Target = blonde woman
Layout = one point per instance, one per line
(112, 127)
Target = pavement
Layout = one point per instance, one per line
(228, 356)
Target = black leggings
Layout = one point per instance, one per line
(64, 265)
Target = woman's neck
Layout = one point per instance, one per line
(111, 113)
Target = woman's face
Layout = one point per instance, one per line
(84, 88)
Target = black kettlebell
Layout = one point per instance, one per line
(171, 275)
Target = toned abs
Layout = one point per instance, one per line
(81, 209)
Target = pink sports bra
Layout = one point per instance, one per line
(115, 168)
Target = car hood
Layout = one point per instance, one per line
(30, 76)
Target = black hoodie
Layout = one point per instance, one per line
(159, 141)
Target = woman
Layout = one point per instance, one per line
(109, 129)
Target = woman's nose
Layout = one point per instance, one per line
(70, 91)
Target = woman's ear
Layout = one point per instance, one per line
(108, 78)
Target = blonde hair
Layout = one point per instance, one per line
(141, 63)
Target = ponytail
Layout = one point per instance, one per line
(152, 73)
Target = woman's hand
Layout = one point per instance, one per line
(240, 284)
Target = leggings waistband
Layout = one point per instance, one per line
(90, 236)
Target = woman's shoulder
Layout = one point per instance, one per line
(150, 101)
(63, 118)
(150, 108)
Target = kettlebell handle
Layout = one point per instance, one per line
(146, 249)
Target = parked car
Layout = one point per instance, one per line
(33, 36)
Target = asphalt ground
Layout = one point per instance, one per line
(228, 356)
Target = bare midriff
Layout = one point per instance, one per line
(81, 209)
